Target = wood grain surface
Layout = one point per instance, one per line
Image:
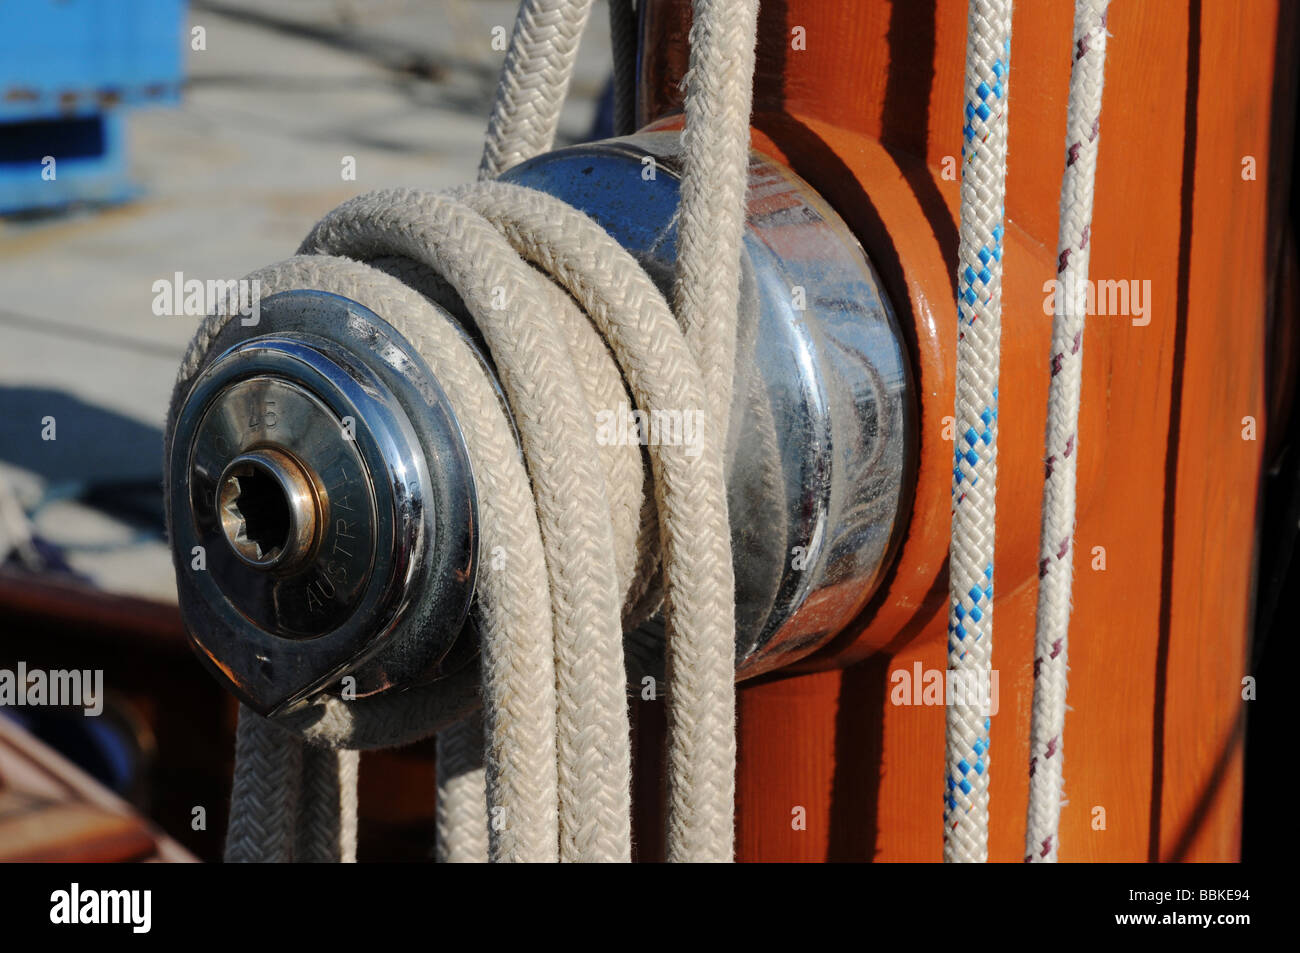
(1197, 98)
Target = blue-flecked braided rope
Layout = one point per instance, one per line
(974, 474)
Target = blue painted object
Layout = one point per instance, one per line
(67, 70)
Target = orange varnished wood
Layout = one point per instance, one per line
(868, 113)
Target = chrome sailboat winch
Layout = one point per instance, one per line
(317, 464)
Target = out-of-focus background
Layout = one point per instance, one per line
(201, 138)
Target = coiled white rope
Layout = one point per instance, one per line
(555, 777)
(1056, 549)
(979, 332)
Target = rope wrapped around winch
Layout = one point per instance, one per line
(572, 324)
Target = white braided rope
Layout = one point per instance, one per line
(979, 305)
(690, 496)
(635, 528)
(506, 299)
(264, 803)
(533, 83)
(719, 104)
(462, 794)
(715, 139)
(293, 802)
(1056, 549)
(327, 807)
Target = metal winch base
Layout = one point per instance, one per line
(317, 463)
(822, 446)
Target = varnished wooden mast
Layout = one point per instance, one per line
(864, 100)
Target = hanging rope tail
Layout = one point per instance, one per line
(1056, 549)
(701, 669)
(979, 330)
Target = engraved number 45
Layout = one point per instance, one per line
(265, 417)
